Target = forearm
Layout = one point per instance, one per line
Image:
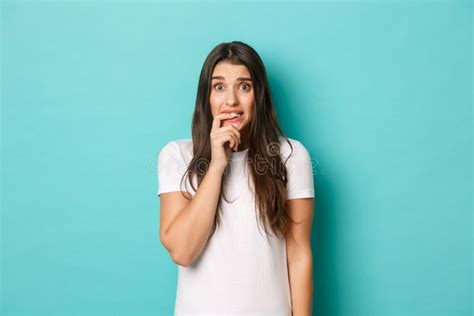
(301, 284)
(188, 232)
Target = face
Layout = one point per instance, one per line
(232, 90)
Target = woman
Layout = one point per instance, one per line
(227, 265)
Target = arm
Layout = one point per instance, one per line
(185, 225)
(299, 255)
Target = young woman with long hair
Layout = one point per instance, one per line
(236, 200)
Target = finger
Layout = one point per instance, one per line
(216, 123)
(234, 129)
(224, 138)
(237, 133)
(232, 134)
(235, 142)
(231, 142)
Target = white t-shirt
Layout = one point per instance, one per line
(239, 271)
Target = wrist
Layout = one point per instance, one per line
(217, 168)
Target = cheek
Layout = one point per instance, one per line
(247, 102)
(214, 104)
(250, 102)
(250, 106)
(249, 113)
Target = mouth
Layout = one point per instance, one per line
(236, 117)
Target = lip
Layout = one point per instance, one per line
(233, 120)
(232, 110)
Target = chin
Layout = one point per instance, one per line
(239, 125)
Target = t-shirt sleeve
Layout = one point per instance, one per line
(171, 168)
(300, 173)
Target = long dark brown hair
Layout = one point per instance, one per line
(267, 170)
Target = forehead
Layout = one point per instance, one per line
(230, 71)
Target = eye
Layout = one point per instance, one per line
(247, 85)
(217, 84)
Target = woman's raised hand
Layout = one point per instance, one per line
(223, 140)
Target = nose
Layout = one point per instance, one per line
(231, 99)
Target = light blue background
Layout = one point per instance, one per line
(379, 93)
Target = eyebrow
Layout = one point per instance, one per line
(239, 79)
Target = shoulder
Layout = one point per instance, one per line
(182, 144)
(182, 147)
(292, 147)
